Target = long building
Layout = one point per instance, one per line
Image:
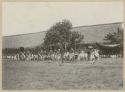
(92, 33)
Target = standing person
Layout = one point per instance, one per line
(89, 53)
(96, 54)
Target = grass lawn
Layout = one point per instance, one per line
(105, 74)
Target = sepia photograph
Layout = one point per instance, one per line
(62, 45)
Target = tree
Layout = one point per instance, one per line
(115, 37)
(58, 35)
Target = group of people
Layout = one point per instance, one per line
(56, 55)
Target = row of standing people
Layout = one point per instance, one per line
(56, 55)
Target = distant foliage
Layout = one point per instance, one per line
(115, 37)
(9, 51)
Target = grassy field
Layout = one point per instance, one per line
(104, 74)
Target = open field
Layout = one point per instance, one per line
(104, 74)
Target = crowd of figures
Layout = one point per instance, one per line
(72, 55)
(55, 55)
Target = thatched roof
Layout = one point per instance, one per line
(92, 33)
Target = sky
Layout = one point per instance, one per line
(31, 17)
